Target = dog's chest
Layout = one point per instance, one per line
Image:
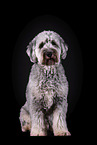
(48, 86)
(48, 82)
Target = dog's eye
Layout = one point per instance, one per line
(41, 45)
(54, 43)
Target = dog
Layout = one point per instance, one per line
(47, 88)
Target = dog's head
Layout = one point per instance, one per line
(47, 48)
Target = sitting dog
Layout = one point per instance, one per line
(47, 88)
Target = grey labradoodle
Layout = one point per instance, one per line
(47, 88)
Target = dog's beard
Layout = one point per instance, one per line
(50, 60)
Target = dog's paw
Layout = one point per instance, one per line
(25, 126)
(67, 133)
(62, 133)
(37, 133)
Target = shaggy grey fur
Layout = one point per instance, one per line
(46, 96)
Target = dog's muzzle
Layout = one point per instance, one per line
(50, 57)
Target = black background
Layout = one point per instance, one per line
(17, 16)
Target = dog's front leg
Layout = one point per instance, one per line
(37, 122)
(59, 121)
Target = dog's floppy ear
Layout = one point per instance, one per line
(64, 49)
(31, 50)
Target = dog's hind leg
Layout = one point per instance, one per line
(25, 118)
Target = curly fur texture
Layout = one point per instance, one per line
(47, 88)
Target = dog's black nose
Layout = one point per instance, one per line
(49, 54)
